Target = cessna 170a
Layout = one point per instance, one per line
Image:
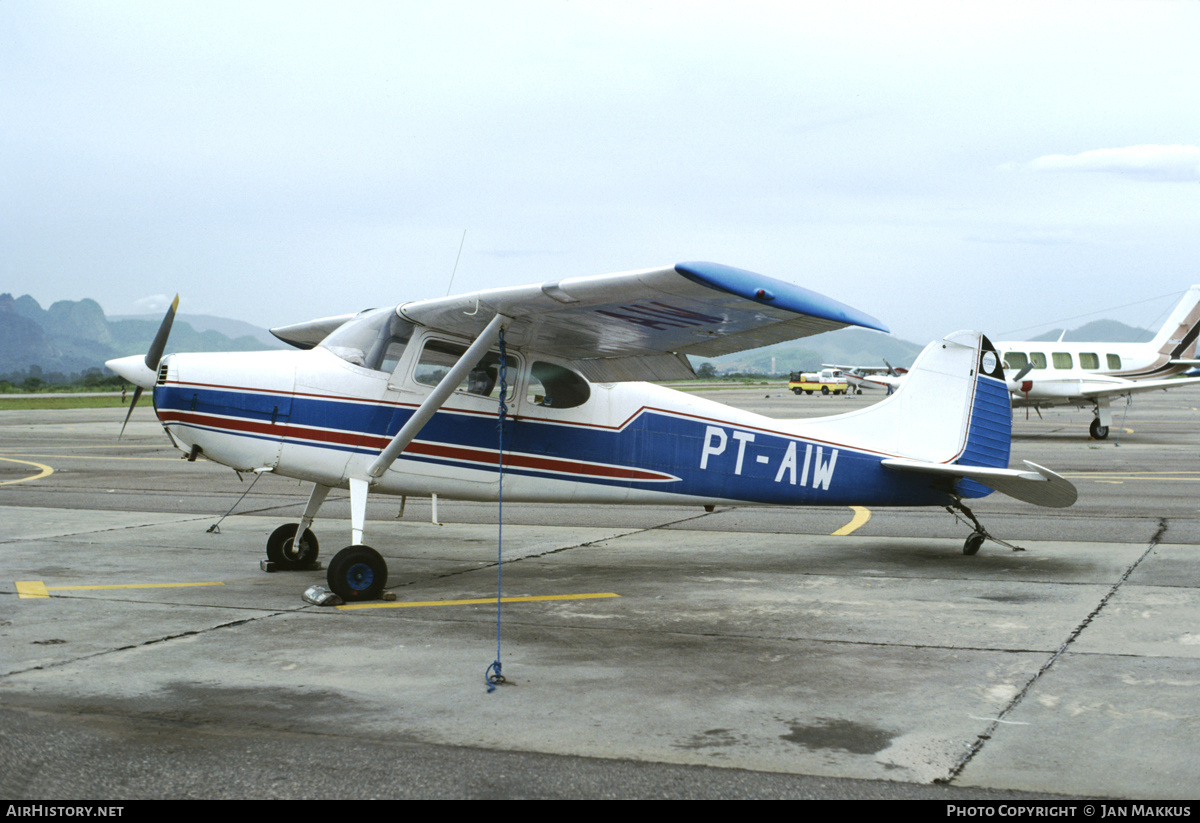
(1092, 374)
(538, 387)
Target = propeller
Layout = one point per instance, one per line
(1015, 384)
(143, 371)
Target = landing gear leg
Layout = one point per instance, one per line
(292, 546)
(357, 572)
(1099, 427)
(971, 546)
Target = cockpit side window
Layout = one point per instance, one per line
(483, 380)
(1015, 360)
(375, 340)
(556, 386)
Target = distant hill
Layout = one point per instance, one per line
(1101, 331)
(74, 336)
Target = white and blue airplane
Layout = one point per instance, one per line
(408, 400)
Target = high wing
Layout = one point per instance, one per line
(640, 325)
(864, 370)
(308, 334)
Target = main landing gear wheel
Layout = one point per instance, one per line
(1098, 432)
(357, 573)
(288, 553)
(973, 543)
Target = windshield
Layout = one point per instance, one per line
(373, 340)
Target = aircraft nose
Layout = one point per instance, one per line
(133, 369)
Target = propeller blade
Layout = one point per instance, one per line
(154, 355)
(1024, 371)
(132, 402)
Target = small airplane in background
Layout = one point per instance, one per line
(535, 392)
(1091, 375)
(871, 377)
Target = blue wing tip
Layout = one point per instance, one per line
(769, 291)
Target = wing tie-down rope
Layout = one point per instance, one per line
(493, 676)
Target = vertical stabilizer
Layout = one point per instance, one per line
(1177, 337)
(953, 407)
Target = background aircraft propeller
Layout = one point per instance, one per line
(143, 371)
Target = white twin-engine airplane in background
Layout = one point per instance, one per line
(409, 401)
(1091, 375)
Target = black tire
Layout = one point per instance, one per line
(797, 391)
(824, 390)
(284, 552)
(973, 543)
(357, 573)
(808, 392)
(1098, 432)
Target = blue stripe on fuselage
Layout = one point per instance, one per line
(713, 460)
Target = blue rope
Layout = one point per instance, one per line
(493, 676)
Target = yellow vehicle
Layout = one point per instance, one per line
(826, 381)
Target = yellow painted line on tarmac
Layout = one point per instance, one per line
(36, 588)
(861, 515)
(480, 601)
(69, 456)
(1120, 477)
(43, 471)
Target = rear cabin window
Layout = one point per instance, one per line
(482, 381)
(1089, 360)
(1062, 360)
(1114, 361)
(556, 386)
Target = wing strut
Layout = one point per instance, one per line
(437, 397)
(359, 486)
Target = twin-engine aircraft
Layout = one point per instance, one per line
(539, 388)
(1091, 375)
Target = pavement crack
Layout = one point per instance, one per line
(1019, 697)
(143, 644)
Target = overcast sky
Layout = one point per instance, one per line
(948, 165)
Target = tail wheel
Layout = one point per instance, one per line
(357, 573)
(973, 543)
(288, 553)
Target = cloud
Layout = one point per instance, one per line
(154, 304)
(1160, 163)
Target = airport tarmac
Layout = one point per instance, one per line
(654, 652)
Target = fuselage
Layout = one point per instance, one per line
(324, 415)
(1060, 371)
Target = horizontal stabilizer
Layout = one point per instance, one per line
(1034, 484)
